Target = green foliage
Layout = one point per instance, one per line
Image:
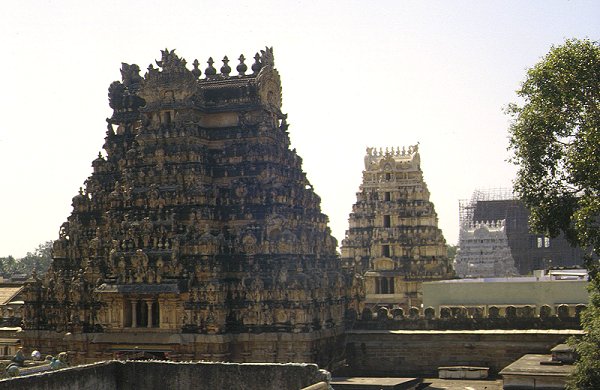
(587, 374)
(555, 140)
(40, 259)
(452, 251)
(7, 264)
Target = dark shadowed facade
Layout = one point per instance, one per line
(198, 235)
(530, 251)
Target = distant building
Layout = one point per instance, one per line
(11, 310)
(529, 251)
(393, 237)
(483, 251)
(544, 294)
(11, 303)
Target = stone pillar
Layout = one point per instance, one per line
(149, 305)
(134, 314)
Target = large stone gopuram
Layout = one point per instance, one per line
(198, 235)
(393, 238)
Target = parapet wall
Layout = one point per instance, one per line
(160, 375)
(469, 317)
(99, 376)
(421, 352)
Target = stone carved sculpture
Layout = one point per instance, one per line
(199, 218)
(393, 237)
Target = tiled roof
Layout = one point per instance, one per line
(8, 292)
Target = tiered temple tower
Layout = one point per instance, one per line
(393, 237)
(198, 235)
(483, 251)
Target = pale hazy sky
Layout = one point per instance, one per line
(354, 74)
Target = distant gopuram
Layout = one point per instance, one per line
(393, 238)
(198, 235)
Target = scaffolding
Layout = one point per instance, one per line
(466, 207)
(494, 204)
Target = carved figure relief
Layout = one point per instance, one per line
(199, 217)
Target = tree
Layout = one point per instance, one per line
(7, 264)
(40, 259)
(451, 249)
(555, 140)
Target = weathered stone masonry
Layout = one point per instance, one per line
(420, 352)
(393, 237)
(152, 375)
(198, 235)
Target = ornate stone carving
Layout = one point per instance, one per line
(393, 238)
(198, 220)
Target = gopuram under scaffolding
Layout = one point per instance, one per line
(489, 209)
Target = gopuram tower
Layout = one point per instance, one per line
(393, 237)
(198, 235)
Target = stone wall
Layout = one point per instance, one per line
(162, 375)
(522, 291)
(324, 347)
(467, 323)
(99, 376)
(468, 317)
(420, 352)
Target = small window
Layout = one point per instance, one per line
(546, 242)
(388, 176)
(166, 117)
(539, 242)
(384, 286)
(385, 250)
(387, 221)
(387, 196)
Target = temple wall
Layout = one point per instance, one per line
(151, 375)
(324, 347)
(369, 352)
(484, 293)
(420, 353)
(101, 376)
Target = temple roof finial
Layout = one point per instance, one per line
(210, 71)
(196, 71)
(225, 69)
(257, 64)
(242, 68)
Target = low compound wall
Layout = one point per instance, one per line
(100, 376)
(159, 375)
(324, 347)
(421, 352)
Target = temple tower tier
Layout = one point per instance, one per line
(198, 235)
(484, 251)
(393, 238)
